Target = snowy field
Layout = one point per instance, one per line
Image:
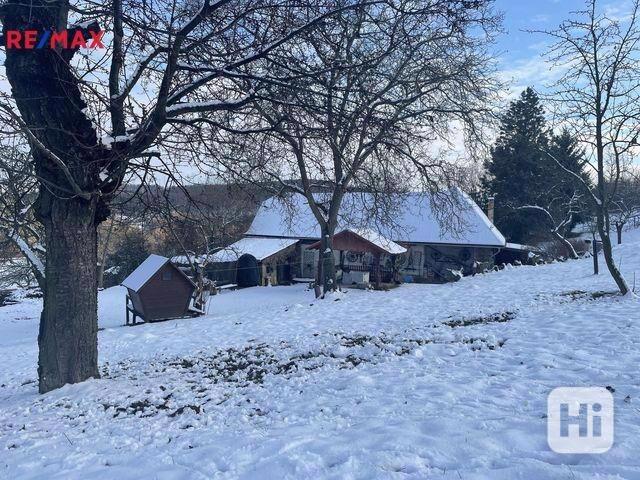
(425, 381)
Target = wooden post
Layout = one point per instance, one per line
(595, 255)
(377, 270)
(319, 275)
(619, 227)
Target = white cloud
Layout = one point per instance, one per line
(540, 18)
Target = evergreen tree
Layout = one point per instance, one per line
(517, 171)
(523, 171)
(561, 185)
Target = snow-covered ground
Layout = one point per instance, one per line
(425, 381)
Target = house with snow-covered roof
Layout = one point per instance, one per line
(416, 246)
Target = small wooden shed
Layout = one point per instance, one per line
(157, 290)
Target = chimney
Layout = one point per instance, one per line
(491, 203)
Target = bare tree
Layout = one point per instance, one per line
(625, 205)
(195, 222)
(197, 262)
(559, 215)
(372, 89)
(597, 98)
(18, 191)
(89, 113)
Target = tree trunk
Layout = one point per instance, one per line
(68, 159)
(607, 250)
(68, 337)
(619, 227)
(328, 262)
(317, 290)
(613, 269)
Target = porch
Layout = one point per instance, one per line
(366, 258)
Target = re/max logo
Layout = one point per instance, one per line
(37, 39)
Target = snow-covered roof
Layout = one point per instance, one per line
(260, 248)
(184, 260)
(141, 275)
(416, 220)
(520, 246)
(378, 240)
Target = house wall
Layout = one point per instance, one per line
(423, 263)
(442, 260)
(278, 269)
(222, 273)
(305, 260)
(365, 258)
(485, 259)
(274, 270)
(166, 295)
(434, 263)
(512, 256)
(411, 264)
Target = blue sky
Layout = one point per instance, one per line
(519, 51)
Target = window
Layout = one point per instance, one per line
(167, 275)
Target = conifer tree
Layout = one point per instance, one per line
(516, 172)
(527, 175)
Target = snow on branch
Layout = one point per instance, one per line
(28, 252)
(207, 106)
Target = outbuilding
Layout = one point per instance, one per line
(157, 290)
(254, 261)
